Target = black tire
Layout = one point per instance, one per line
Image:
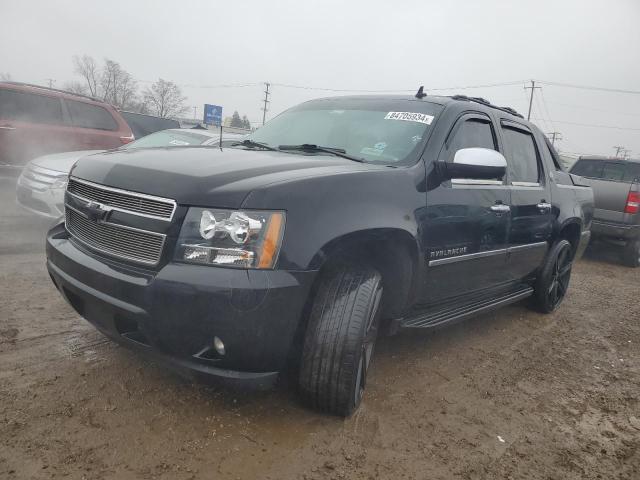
(631, 253)
(552, 283)
(339, 340)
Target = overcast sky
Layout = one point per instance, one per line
(372, 45)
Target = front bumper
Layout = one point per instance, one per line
(615, 230)
(175, 313)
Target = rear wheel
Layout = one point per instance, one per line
(632, 253)
(340, 338)
(553, 282)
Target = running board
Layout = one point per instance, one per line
(441, 315)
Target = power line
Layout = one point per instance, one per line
(189, 85)
(589, 87)
(398, 90)
(594, 125)
(595, 109)
(547, 125)
(546, 109)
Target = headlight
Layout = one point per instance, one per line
(243, 239)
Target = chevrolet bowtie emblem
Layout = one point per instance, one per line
(96, 211)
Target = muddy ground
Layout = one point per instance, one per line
(512, 394)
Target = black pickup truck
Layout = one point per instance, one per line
(339, 218)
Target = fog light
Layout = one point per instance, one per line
(218, 345)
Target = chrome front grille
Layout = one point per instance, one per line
(123, 200)
(117, 240)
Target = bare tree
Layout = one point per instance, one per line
(118, 86)
(76, 87)
(5, 76)
(165, 99)
(87, 68)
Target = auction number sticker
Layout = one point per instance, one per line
(410, 117)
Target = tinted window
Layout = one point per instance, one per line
(613, 171)
(85, 115)
(521, 153)
(632, 172)
(588, 168)
(28, 107)
(471, 133)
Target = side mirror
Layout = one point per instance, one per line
(474, 163)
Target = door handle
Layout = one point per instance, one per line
(544, 207)
(500, 208)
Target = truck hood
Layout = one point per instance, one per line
(61, 162)
(206, 176)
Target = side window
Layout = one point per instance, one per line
(588, 168)
(470, 133)
(29, 107)
(613, 171)
(522, 155)
(85, 115)
(632, 173)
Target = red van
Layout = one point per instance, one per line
(37, 120)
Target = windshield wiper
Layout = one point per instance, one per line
(309, 147)
(252, 144)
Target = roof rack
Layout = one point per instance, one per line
(54, 90)
(482, 101)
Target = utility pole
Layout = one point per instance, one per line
(51, 81)
(195, 109)
(532, 87)
(266, 101)
(619, 148)
(554, 136)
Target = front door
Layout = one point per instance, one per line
(466, 222)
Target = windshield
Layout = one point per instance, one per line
(168, 138)
(386, 133)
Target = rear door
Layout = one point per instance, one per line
(531, 209)
(32, 125)
(465, 221)
(94, 125)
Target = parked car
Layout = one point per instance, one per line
(617, 201)
(36, 121)
(41, 185)
(337, 219)
(142, 125)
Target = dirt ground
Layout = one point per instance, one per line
(508, 395)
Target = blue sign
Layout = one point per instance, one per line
(212, 114)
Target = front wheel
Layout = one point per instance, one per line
(553, 281)
(340, 338)
(632, 253)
